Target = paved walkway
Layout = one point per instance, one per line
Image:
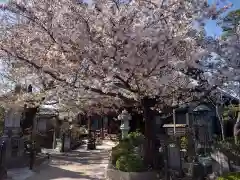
(79, 165)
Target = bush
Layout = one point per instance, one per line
(124, 147)
(230, 176)
(184, 142)
(130, 163)
(136, 138)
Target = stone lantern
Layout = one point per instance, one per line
(202, 116)
(124, 117)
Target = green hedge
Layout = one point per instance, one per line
(230, 176)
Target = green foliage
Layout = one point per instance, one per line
(184, 142)
(123, 155)
(230, 112)
(130, 163)
(2, 112)
(136, 138)
(230, 176)
(124, 147)
(230, 22)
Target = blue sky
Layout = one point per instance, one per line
(211, 26)
(3, 1)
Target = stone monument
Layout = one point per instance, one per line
(11, 133)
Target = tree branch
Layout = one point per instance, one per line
(126, 84)
(62, 80)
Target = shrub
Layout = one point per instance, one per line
(184, 142)
(136, 138)
(230, 176)
(130, 163)
(124, 147)
(127, 146)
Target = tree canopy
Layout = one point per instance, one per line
(230, 22)
(109, 53)
(124, 51)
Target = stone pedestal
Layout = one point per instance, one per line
(124, 130)
(67, 143)
(12, 130)
(3, 173)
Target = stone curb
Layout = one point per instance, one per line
(114, 174)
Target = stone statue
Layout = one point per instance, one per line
(29, 90)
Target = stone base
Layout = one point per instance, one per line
(113, 174)
(91, 146)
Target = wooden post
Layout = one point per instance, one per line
(174, 122)
(149, 149)
(166, 172)
(54, 138)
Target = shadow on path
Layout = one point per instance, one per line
(83, 158)
(56, 173)
(79, 164)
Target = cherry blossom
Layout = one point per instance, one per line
(110, 53)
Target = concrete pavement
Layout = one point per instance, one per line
(79, 164)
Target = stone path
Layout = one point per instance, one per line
(19, 174)
(79, 164)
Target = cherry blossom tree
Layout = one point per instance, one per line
(228, 50)
(221, 67)
(140, 52)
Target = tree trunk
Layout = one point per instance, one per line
(149, 149)
(89, 126)
(102, 127)
(237, 129)
(222, 130)
(54, 138)
(219, 112)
